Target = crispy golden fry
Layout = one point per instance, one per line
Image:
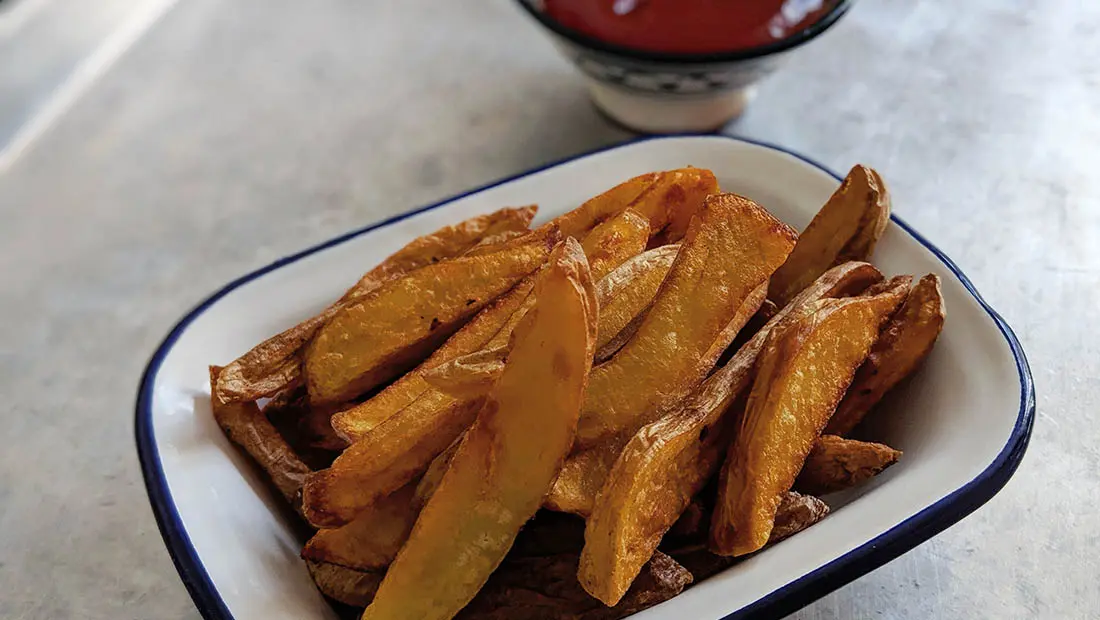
(731, 248)
(356, 422)
(585, 472)
(445, 243)
(396, 452)
(346, 585)
(626, 293)
(622, 294)
(674, 200)
(470, 376)
(906, 340)
(245, 425)
(378, 336)
(667, 199)
(546, 588)
(582, 476)
(508, 458)
(608, 245)
(802, 374)
(276, 363)
(611, 243)
(372, 539)
(631, 515)
(796, 512)
(578, 222)
(836, 463)
(845, 229)
(492, 243)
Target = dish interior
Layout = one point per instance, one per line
(952, 419)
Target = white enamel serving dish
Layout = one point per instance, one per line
(963, 421)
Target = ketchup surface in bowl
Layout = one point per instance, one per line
(687, 26)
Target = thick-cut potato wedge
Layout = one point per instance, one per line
(682, 200)
(906, 340)
(396, 452)
(445, 243)
(631, 515)
(802, 374)
(611, 243)
(372, 539)
(626, 293)
(470, 376)
(796, 512)
(509, 457)
(667, 199)
(623, 295)
(845, 229)
(585, 472)
(607, 246)
(546, 588)
(245, 425)
(731, 248)
(582, 476)
(836, 463)
(345, 585)
(578, 222)
(276, 363)
(355, 423)
(380, 335)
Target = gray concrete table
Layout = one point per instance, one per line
(233, 133)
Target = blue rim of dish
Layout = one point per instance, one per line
(804, 35)
(901, 538)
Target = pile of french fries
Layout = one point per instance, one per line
(582, 419)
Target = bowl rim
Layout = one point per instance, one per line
(789, 598)
(577, 37)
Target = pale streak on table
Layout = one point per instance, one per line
(237, 132)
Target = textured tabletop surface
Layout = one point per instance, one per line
(233, 133)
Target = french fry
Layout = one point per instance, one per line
(585, 472)
(661, 197)
(836, 463)
(731, 248)
(607, 246)
(357, 422)
(345, 585)
(276, 362)
(399, 451)
(614, 241)
(905, 341)
(626, 294)
(674, 200)
(380, 335)
(803, 371)
(845, 229)
(372, 539)
(508, 458)
(245, 425)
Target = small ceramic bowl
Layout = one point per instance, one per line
(660, 92)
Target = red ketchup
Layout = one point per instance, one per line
(687, 26)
